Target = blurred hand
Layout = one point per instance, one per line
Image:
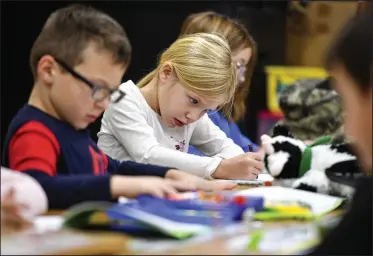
(197, 183)
(11, 215)
(132, 187)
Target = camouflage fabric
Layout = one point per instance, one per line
(339, 137)
(311, 109)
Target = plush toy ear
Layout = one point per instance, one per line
(266, 144)
(282, 130)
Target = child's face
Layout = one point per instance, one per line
(358, 109)
(179, 106)
(72, 97)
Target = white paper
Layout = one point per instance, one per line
(263, 177)
(48, 223)
(320, 203)
(289, 239)
(122, 200)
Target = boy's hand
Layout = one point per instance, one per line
(199, 183)
(243, 167)
(131, 187)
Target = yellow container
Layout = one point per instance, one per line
(280, 76)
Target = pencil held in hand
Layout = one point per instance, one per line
(252, 150)
(242, 167)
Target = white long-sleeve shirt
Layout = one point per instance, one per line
(131, 130)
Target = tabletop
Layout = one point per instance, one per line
(224, 240)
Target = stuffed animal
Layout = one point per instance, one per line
(322, 167)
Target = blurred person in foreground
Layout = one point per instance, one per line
(22, 199)
(349, 62)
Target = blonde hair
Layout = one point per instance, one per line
(237, 37)
(203, 64)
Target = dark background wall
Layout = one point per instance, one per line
(151, 27)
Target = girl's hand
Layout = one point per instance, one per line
(243, 167)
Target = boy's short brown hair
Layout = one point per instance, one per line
(69, 30)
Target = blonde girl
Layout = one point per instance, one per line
(166, 112)
(244, 54)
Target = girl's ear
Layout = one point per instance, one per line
(165, 72)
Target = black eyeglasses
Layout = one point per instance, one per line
(99, 92)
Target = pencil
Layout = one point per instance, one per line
(252, 150)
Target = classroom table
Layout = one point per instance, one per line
(62, 242)
(218, 242)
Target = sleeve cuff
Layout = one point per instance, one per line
(211, 168)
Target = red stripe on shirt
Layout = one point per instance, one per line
(95, 161)
(106, 161)
(34, 147)
(99, 161)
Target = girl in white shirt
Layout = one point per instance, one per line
(166, 112)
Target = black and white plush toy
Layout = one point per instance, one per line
(322, 167)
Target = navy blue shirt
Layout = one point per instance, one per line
(65, 161)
